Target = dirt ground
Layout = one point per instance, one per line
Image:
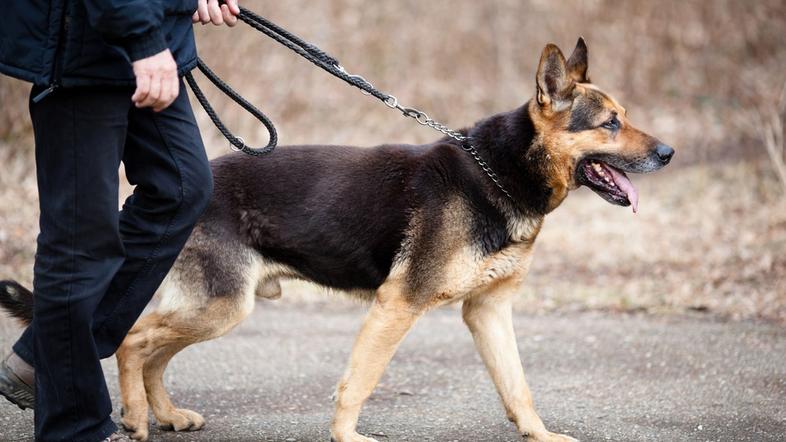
(597, 376)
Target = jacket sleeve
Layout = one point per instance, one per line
(134, 25)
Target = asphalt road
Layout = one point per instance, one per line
(594, 376)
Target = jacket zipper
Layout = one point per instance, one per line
(57, 68)
(45, 93)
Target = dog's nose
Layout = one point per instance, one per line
(664, 153)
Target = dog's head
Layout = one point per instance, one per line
(586, 133)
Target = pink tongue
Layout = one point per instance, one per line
(626, 186)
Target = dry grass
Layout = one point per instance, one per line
(712, 231)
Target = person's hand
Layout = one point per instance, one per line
(157, 84)
(208, 11)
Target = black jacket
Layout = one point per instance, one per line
(91, 42)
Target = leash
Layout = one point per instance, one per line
(330, 64)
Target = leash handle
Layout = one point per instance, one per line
(236, 142)
(291, 41)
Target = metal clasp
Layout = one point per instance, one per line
(356, 77)
(392, 102)
(238, 149)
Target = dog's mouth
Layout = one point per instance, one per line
(609, 182)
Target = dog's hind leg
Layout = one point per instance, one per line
(146, 352)
(142, 360)
(215, 320)
(490, 319)
(388, 321)
(181, 329)
(167, 415)
(197, 304)
(131, 357)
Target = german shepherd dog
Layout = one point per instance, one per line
(408, 228)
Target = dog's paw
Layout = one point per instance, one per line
(135, 426)
(180, 419)
(352, 437)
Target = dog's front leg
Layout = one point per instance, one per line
(489, 318)
(388, 321)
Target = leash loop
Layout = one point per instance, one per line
(236, 142)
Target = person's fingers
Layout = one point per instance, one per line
(154, 94)
(170, 89)
(195, 17)
(174, 89)
(233, 7)
(165, 97)
(154, 77)
(215, 12)
(142, 89)
(229, 18)
(204, 15)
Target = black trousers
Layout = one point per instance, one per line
(96, 268)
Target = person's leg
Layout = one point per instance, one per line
(166, 160)
(79, 136)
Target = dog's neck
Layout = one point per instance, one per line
(507, 141)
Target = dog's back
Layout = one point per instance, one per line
(335, 214)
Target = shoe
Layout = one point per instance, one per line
(17, 381)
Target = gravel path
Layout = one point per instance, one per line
(595, 376)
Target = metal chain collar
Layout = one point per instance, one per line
(423, 119)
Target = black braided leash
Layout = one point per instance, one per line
(332, 66)
(237, 142)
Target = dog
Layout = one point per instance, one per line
(408, 228)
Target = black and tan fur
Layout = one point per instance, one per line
(408, 228)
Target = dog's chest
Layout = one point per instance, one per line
(468, 274)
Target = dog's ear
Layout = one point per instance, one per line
(553, 83)
(577, 63)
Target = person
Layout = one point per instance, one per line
(107, 90)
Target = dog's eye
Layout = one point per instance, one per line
(612, 124)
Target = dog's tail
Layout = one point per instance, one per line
(17, 301)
